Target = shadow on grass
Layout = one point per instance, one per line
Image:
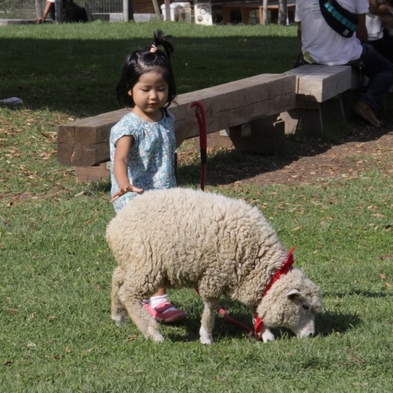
(327, 323)
(79, 76)
(222, 329)
(366, 294)
(227, 166)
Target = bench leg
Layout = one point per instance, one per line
(291, 120)
(262, 136)
(349, 99)
(311, 120)
(92, 173)
(334, 108)
(312, 114)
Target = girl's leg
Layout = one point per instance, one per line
(162, 310)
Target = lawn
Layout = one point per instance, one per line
(56, 334)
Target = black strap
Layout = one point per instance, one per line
(338, 18)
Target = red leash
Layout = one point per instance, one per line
(285, 268)
(200, 115)
(258, 322)
(225, 315)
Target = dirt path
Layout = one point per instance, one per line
(366, 148)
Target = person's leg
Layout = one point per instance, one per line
(380, 72)
(162, 310)
(79, 14)
(384, 46)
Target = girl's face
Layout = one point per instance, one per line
(149, 94)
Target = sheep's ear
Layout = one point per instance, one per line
(294, 294)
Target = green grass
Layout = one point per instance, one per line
(75, 68)
(55, 329)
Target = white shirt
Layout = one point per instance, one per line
(320, 43)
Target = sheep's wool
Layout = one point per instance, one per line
(186, 238)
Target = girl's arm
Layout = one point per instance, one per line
(120, 165)
(183, 129)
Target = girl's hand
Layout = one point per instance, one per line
(124, 190)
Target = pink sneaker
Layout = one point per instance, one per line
(160, 315)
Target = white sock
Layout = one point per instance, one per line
(157, 300)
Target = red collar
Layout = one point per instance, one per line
(284, 269)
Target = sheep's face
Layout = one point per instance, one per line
(292, 307)
(301, 316)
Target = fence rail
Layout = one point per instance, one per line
(31, 9)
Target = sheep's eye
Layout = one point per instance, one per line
(306, 307)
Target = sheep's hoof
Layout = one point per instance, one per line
(206, 341)
(267, 336)
(119, 320)
(205, 337)
(154, 335)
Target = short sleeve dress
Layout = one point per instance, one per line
(151, 158)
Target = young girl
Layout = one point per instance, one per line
(143, 142)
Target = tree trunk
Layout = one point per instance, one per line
(264, 17)
(38, 8)
(282, 12)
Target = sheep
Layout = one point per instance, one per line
(179, 238)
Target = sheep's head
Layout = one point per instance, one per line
(291, 302)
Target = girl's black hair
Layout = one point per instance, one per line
(143, 60)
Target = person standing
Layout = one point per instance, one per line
(323, 45)
(143, 142)
(71, 12)
(379, 22)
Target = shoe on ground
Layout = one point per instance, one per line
(165, 312)
(367, 113)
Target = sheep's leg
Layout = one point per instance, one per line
(207, 321)
(118, 312)
(142, 319)
(267, 335)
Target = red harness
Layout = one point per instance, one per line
(258, 323)
(284, 269)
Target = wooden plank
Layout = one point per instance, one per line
(261, 136)
(319, 89)
(241, 101)
(92, 173)
(86, 141)
(318, 83)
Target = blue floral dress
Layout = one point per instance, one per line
(151, 157)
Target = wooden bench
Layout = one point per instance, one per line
(319, 91)
(246, 8)
(84, 143)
